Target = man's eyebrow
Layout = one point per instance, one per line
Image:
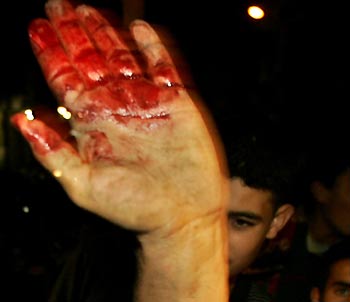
(341, 283)
(244, 214)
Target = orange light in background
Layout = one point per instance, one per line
(255, 12)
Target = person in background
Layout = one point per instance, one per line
(284, 269)
(332, 278)
(324, 217)
(266, 167)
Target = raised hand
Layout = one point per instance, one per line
(145, 154)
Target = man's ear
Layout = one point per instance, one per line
(319, 192)
(282, 216)
(315, 294)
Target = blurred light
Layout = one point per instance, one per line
(25, 209)
(29, 114)
(64, 112)
(255, 12)
(57, 173)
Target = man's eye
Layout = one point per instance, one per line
(240, 223)
(343, 291)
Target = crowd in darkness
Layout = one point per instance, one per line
(287, 69)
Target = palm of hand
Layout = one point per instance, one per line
(144, 155)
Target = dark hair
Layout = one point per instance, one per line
(337, 252)
(267, 157)
(329, 157)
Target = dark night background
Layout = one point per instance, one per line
(290, 68)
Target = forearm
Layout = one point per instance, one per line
(188, 266)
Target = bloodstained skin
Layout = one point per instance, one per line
(128, 91)
(79, 51)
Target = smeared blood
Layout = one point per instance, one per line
(125, 98)
(98, 147)
(42, 35)
(59, 72)
(109, 43)
(140, 92)
(113, 84)
(121, 62)
(167, 74)
(42, 139)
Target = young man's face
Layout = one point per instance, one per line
(336, 203)
(337, 287)
(251, 219)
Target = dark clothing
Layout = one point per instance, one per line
(296, 278)
(102, 267)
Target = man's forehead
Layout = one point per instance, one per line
(241, 190)
(248, 199)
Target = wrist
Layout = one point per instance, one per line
(189, 264)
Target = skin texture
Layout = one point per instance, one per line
(337, 288)
(252, 219)
(139, 149)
